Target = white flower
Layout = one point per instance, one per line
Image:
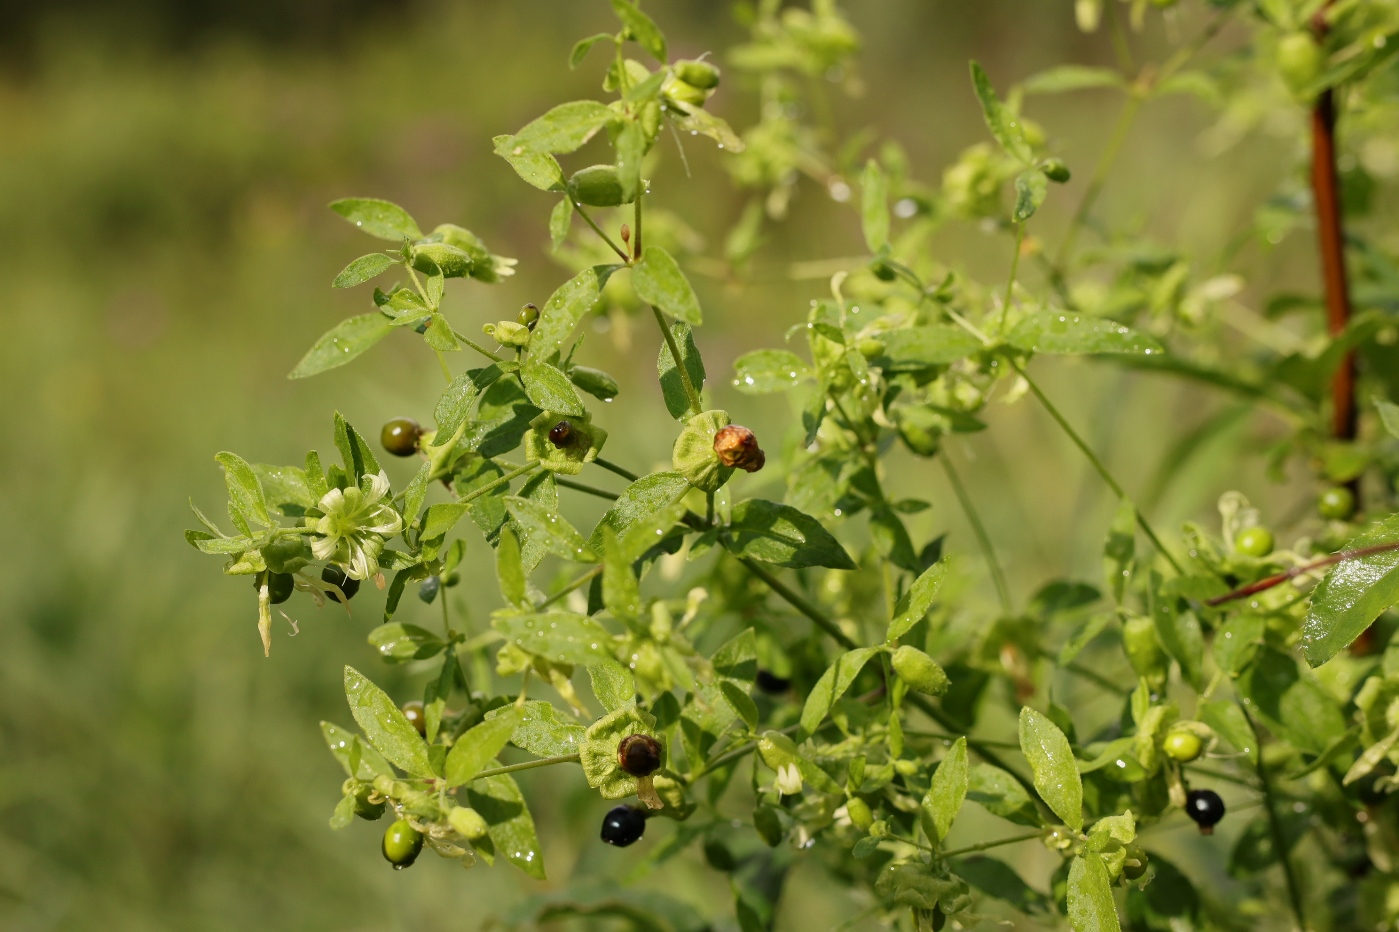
(355, 523)
(789, 780)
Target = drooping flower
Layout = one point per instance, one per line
(354, 525)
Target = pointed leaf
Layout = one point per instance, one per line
(538, 168)
(832, 685)
(1352, 595)
(355, 452)
(672, 386)
(1052, 763)
(874, 213)
(1062, 333)
(512, 832)
(550, 530)
(948, 788)
(564, 309)
(658, 281)
(563, 129)
(540, 732)
(550, 390)
(768, 370)
(1000, 120)
(244, 491)
(641, 28)
(342, 343)
(474, 750)
(376, 217)
(919, 599)
(385, 725)
(784, 536)
(1091, 906)
(363, 269)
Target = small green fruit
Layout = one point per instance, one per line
(859, 811)
(919, 671)
(1254, 542)
(597, 186)
(402, 843)
(417, 717)
(1300, 61)
(1056, 171)
(287, 554)
(701, 74)
(1336, 503)
(595, 382)
(1183, 746)
(529, 316)
(364, 808)
(1144, 651)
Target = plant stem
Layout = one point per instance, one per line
(1294, 892)
(496, 483)
(478, 348)
(946, 736)
(1014, 269)
(984, 845)
(734, 754)
(571, 586)
(583, 487)
(1279, 578)
(1096, 678)
(1095, 184)
(636, 220)
(527, 765)
(679, 360)
(442, 361)
(613, 467)
(1097, 464)
(599, 231)
(799, 602)
(988, 551)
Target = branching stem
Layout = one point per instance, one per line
(599, 231)
(998, 575)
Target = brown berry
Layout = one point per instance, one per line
(560, 434)
(400, 436)
(529, 315)
(639, 755)
(736, 446)
(413, 711)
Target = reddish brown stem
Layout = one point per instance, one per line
(1280, 578)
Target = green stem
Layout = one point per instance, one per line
(527, 765)
(679, 361)
(998, 575)
(497, 483)
(1097, 464)
(442, 361)
(636, 220)
(735, 754)
(613, 467)
(799, 602)
(1294, 890)
(982, 846)
(1014, 270)
(571, 586)
(1095, 184)
(948, 736)
(1096, 678)
(478, 348)
(599, 231)
(583, 487)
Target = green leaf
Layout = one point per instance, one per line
(363, 269)
(1031, 186)
(672, 387)
(1053, 766)
(501, 804)
(563, 129)
(647, 496)
(479, 746)
(1120, 548)
(914, 348)
(768, 370)
(385, 725)
(245, 499)
(538, 168)
(707, 124)
(641, 28)
(442, 260)
(551, 530)
(874, 208)
(354, 451)
(658, 281)
(400, 643)
(832, 685)
(631, 148)
(383, 219)
(1063, 78)
(510, 569)
(1091, 907)
(454, 406)
(919, 598)
(550, 390)
(582, 47)
(359, 759)
(1352, 595)
(285, 488)
(1389, 416)
(1001, 794)
(620, 590)
(563, 637)
(1000, 120)
(782, 535)
(737, 659)
(1062, 333)
(565, 308)
(560, 218)
(342, 343)
(1181, 636)
(540, 732)
(613, 684)
(441, 518)
(741, 703)
(948, 788)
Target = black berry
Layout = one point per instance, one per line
(336, 577)
(400, 436)
(279, 586)
(771, 683)
(623, 826)
(560, 434)
(639, 755)
(413, 711)
(1206, 808)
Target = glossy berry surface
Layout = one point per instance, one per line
(639, 755)
(529, 316)
(336, 577)
(771, 683)
(623, 825)
(1184, 746)
(366, 809)
(400, 436)
(279, 586)
(413, 711)
(560, 434)
(1336, 503)
(1205, 808)
(402, 843)
(1254, 542)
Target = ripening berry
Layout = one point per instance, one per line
(400, 436)
(365, 809)
(1336, 503)
(413, 711)
(336, 577)
(529, 316)
(279, 586)
(402, 843)
(1254, 542)
(623, 825)
(1134, 866)
(1183, 746)
(1056, 171)
(1206, 808)
(560, 434)
(771, 683)
(697, 73)
(639, 755)
(738, 447)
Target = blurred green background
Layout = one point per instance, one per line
(165, 257)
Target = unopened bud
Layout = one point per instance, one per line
(737, 447)
(626, 233)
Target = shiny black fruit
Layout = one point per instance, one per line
(623, 825)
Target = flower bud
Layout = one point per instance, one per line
(1055, 170)
(683, 92)
(737, 447)
(639, 755)
(701, 74)
(919, 671)
(508, 333)
(598, 186)
(595, 382)
(467, 822)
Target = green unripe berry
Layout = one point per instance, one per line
(701, 74)
(919, 671)
(883, 270)
(859, 811)
(1184, 746)
(364, 808)
(595, 382)
(287, 554)
(402, 843)
(1144, 650)
(597, 186)
(1300, 61)
(529, 316)
(1134, 866)
(1336, 503)
(1056, 171)
(1254, 542)
(400, 436)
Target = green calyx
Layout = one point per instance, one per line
(693, 455)
(573, 446)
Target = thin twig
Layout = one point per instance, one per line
(982, 846)
(583, 487)
(527, 765)
(599, 231)
(998, 575)
(626, 474)
(1279, 578)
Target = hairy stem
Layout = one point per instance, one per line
(998, 575)
(1097, 464)
(527, 765)
(690, 393)
(984, 845)
(497, 483)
